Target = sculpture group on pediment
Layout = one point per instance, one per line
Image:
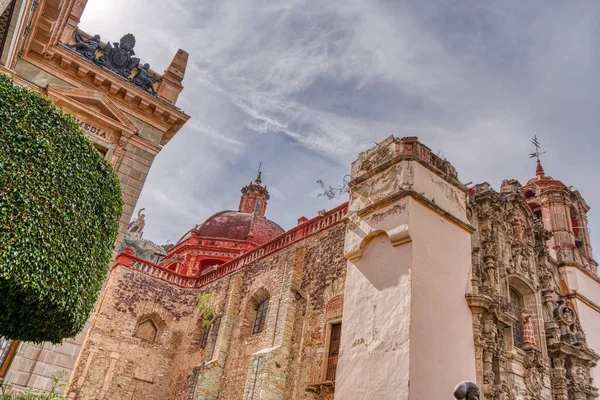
(118, 57)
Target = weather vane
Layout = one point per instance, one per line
(537, 153)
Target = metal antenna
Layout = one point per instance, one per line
(538, 147)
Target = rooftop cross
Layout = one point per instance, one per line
(539, 171)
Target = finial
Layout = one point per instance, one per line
(258, 176)
(539, 170)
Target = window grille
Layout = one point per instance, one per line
(261, 316)
(516, 302)
(334, 351)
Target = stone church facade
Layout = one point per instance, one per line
(128, 110)
(414, 285)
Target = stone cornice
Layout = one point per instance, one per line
(585, 300)
(421, 199)
(582, 269)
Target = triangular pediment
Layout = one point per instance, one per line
(93, 104)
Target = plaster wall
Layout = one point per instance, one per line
(441, 333)
(433, 187)
(581, 283)
(374, 354)
(589, 317)
(590, 322)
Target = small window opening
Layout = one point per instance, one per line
(334, 351)
(261, 316)
(516, 305)
(257, 207)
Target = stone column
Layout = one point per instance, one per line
(408, 245)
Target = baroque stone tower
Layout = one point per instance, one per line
(254, 197)
(408, 245)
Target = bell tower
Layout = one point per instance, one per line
(254, 197)
(563, 212)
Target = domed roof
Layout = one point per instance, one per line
(235, 225)
(542, 180)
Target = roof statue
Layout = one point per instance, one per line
(117, 57)
(136, 227)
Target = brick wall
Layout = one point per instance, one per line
(280, 362)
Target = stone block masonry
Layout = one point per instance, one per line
(299, 280)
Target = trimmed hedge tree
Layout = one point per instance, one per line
(60, 204)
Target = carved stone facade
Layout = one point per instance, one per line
(527, 335)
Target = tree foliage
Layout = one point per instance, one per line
(60, 204)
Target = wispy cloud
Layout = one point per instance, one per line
(304, 86)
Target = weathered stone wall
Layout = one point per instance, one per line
(304, 283)
(114, 363)
(287, 356)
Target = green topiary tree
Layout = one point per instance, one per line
(60, 204)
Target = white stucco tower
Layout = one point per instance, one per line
(407, 330)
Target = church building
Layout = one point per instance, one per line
(416, 283)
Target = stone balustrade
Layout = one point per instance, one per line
(300, 232)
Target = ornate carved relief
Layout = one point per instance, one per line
(509, 248)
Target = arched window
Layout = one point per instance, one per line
(147, 330)
(257, 207)
(261, 316)
(576, 225)
(516, 305)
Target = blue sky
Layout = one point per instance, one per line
(304, 86)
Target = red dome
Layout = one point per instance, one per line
(236, 225)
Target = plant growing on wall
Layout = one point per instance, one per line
(60, 203)
(207, 309)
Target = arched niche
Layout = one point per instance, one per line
(150, 327)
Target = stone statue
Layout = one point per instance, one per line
(144, 79)
(118, 57)
(528, 331)
(136, 228)
(466, 390)
(86, 48)
(519, 230)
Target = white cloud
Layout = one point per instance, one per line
(304, 86)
